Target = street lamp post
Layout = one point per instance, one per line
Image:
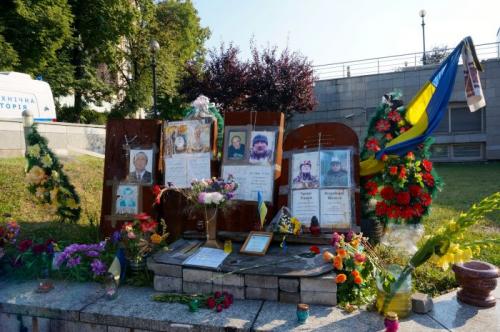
(422, 15)
(154, 47)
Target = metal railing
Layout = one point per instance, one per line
(393, 63)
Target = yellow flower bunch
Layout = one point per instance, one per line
(34, 151)
(454, 255)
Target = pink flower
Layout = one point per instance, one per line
(131, 235)
(201, 198)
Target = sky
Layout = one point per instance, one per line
(330, 31)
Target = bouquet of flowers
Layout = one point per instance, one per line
(82, 261)
(212, 192)
(353, 268)
(448, 245)
(403, 191)
(139, 237)
(8, 235)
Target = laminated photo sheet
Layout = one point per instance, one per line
(335, 208)
(180, 170)
(251, 180)
(305, 205)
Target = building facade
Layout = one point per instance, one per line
(461, 135)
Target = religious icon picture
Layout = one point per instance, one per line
(126, 199)
(141, 166)
(336, 168)
(262, 147)
(305, 170)
(199, 137)
(236, 145)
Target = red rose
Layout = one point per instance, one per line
(428, 179)
(382, 125)
(415, 190)
(211, 302)
(24, 245)
(393, 170)
(403, 198)
(372, 144)
(226, 303)
(148, 226)
(381, 209)
(219, 307)
(371, 188)
(427, 165)
(425, 199)
(315, 250)
(217, 295)
(394, 116)
(393, 212)
(387, 193)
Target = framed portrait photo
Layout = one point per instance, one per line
(262, 147)
(257, 243)
(305, 170)
(140, 166)
(126, 199)
(336, 168)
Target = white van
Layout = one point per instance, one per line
(19, 92)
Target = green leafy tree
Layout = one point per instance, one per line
(38, 31)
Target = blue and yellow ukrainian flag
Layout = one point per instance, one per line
(424, 112)
(261, 209)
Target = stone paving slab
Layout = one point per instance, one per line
(458, 316)
(282, 317)
(134, 308)
(65, 301)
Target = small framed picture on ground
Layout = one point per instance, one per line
(257, 243)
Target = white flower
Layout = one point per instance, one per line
(217, 198)
(208, 198)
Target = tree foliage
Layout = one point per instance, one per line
(99, 50)
(268, 82)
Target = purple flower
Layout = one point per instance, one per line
(201, 198)
(92, 253)
(98, 267)
(73, 261)
(116, 237)
(349, 236)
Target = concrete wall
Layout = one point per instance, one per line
(352, 101)
(62, 137)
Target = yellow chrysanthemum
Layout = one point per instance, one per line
(71, 204)
(46, 161)
(34, 151)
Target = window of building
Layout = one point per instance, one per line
(469, 150)
(463, 120)
(439, 151)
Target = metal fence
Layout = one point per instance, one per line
(393, 63)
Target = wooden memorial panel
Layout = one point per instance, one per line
(138, 133)
(314, 136)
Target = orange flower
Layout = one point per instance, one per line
(337, 262)
(341, 252)
(156, 238)
(358, 280)
(355, 243)
(355, 273)
(341, 278)
(328, 256)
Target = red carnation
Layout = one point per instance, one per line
(142, 216)
(384, 157)
(428, 179)
(387, 193)
(394, 116)
(226, 303)
(381, 209)
(427, 165)
(388, 136)
(38, 248)
(373, 145)
(24, 245)
(217, 295)
(393, 212)
(415, 190)
(382, 125)
(418, 210)
(425, 199)
(393, 170)
(371, 188)
(406, 213)
(211, 302)
(403, 198)
(219, 307)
